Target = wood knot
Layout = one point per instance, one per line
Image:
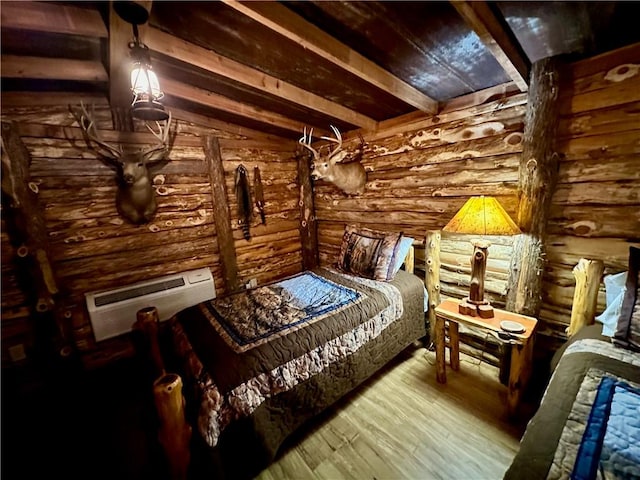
(532, 164)
(622, 72)
(514, 139)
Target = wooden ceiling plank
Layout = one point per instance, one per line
(280, 19)
(46, 17)
(14, 66)
(213, 100)
(205, 59)
(497, 38)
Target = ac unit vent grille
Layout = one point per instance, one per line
(138, 291)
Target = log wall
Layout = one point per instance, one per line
(595, 210)
(93, 248)
(420, 171)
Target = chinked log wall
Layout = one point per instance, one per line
(94, 249)
(595, 210)
(421, 170)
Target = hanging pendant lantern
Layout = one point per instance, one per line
(145, 85)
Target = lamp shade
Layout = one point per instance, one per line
(482, 216)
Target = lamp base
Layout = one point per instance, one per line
(482, 309)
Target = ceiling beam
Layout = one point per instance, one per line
(219, 102)
(120, 34)
(280, 19)
(54, 18)
(187, 52)
(14, 66)
(498, 38)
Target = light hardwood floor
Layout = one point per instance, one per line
(402, 424)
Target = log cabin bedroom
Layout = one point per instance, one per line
(320, 240)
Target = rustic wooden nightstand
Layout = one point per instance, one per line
(522, 343)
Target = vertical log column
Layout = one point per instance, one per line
(27, 215)
(174, 432)
(432, 277)
(308, 224)
(538, 177)
(120, 96)
(222, 217)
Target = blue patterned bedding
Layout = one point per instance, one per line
(610, 444)
(588, 424)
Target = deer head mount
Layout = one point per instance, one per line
(135, 198)
(350, 177)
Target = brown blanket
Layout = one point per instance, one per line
(249, 402)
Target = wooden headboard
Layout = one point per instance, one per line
(588, 275)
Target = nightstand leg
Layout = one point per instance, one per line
(521, 356)
(441, 373)
(454, 346)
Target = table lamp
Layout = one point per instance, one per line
(480, 216)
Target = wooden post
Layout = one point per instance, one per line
(410, 260)
(308, 224)
(588, 274)
(222, 217)
(519, 373)
(432, 278)
(440, 341)
(147, 324)
(538, 176)
(175, 432)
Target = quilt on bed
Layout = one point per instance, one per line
(239, 362)
(588, 424)
(256, 316)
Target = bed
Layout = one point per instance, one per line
(258, 364)
(588, 422)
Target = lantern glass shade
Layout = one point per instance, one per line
(145, 81)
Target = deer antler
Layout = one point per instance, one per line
(88, 125)
(162, 135)
(306, 142)
(337, 140)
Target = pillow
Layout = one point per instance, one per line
(368, 253)
(403, 250)
(614, 292)
(627, 332)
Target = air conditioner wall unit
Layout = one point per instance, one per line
(114, 312)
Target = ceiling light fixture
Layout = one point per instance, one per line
(145, 85)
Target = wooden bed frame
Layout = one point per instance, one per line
(174, 431)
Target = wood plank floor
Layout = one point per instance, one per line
(403, 424)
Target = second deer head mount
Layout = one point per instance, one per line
(135, 198)
(350, 177)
